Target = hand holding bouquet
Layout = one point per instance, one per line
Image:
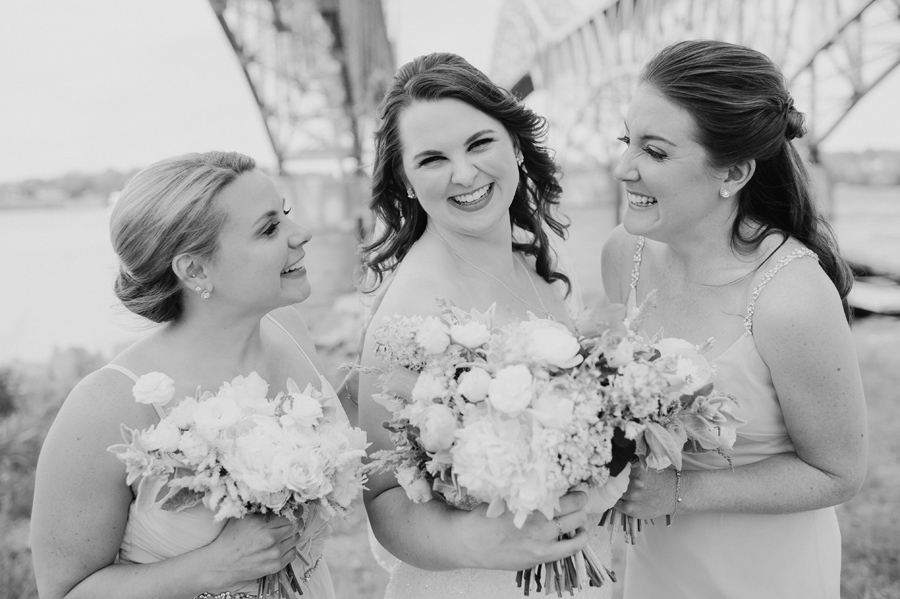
(497, 416)
(238, 452)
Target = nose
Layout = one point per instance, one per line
(464, 173)
(299, 234)
(625, 170)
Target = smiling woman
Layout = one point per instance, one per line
(207, 249)
(460, 159)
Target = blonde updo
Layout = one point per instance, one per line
(168, 209)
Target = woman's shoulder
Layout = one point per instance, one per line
(99, 404)
(792, 292)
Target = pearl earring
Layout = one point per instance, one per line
(725, 193)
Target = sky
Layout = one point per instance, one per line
(96, 84)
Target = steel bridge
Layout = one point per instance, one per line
(583, 56)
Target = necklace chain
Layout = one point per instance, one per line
(496, 278)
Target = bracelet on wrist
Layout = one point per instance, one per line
(671, 517)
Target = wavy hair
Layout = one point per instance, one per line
(167, 209)
(743, 110)
(440, 76)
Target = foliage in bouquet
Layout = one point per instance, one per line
(658, 394)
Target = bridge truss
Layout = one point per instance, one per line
(317, 70)
(584, 56)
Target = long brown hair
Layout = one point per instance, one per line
(742, 109)
(438, 76)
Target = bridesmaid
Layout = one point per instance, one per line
(721, 222)
(207, 251)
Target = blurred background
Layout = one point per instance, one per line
(94, 90)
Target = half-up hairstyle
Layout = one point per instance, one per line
(742, 109)
(402, 220)
(167, 209)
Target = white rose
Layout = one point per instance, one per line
(303, 409)
(154, 388)
(511, 390)
(346, 486)
(428, 387)
(553, 409)
(216, 414)
(433, 335)
(303, 471)
(555, 345)
(470, 335)
(691, 366)
(164, 437)
(194, 447)
(436, 425)
(182, 415)
(474, 384)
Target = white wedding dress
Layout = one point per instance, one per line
(409, 582)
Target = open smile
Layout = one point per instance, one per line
(467, 199)
(640, 201)
(296, 267)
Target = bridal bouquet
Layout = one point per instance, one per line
(658, 395)
(518, 416)
(497, 416)
(239, 452)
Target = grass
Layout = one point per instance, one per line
(30, 396)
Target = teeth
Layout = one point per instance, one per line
(639, 200)
(295, 266)
(472, 197)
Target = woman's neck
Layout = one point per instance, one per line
(231, 343)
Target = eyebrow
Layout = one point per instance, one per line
(469, 140)
(271, 213)
(652, 137)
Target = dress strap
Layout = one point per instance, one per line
(636, 263)
(159, 410)
(123, 370)
(781, 263)
(291, 337)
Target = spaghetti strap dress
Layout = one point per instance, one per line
(153, 534)
(714, 555)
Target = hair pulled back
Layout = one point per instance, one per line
(167, 209)
(439, 76)
(742, 110)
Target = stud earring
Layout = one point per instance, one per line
(410, 193)
(198, 288)
(194, 276)
(725, 193)
(205, 294)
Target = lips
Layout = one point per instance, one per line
(293, 267)
(474, 196)
(639, 200)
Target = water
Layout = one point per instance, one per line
(57, 267)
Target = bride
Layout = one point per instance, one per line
(458, 168)
(207, 250)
